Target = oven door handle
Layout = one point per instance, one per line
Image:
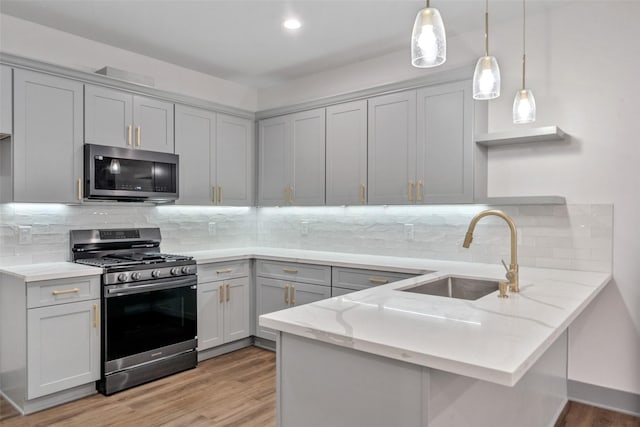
(178, 283)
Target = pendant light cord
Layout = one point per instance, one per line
(486, 28)
(428, 1)
(524, 44)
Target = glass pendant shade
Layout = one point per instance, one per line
(428, 40)
(524, 107)
(486, 78)
(114, 167)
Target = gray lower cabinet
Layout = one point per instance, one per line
(292, 159)
(50, 340)
(223, 305)
(346, 280)
(47, 140)
(121, 119)
(346, 169)
(6, 101)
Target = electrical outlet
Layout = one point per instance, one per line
(213, 230)
(408, 231)
(24, 234)
(304, 228)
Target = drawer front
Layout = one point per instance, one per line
(222, 270)
(357, 279)
(295, 272)
(61, 291)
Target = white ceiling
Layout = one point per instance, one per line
(244, 41)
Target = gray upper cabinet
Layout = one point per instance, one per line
(235, 161)
(292, 159)
(47, 138)
(120, 119)
(445, 144)
(346, 173)
(216, 158)
(392, 148)
(6, 120)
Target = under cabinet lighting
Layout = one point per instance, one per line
(292, 24)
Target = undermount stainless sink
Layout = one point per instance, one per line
(455, 287)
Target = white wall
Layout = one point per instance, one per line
(30, 40)
(583, 62)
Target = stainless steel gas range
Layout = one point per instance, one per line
(148, 305)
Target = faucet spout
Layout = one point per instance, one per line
(512, 270)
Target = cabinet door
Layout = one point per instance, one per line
(195, 144)
(346, 174)
(272, 295)
(63, 347)
(445, 143)
(236, 309)
(210, 314)
(6, 103)
(304, 293)
(392, 148)
(47, 138)
(108, 117)
(274, 144)
(308, 155)
(235, 161)
(153, 120)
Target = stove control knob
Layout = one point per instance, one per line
(175, 271)
(186, 270)
(155, 274)
(122, 277)
(136, 276)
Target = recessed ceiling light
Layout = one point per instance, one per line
(292, 24)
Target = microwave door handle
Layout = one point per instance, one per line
(179, 283)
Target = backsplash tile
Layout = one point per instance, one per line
(575, 237)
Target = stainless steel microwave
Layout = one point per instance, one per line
(125, 174)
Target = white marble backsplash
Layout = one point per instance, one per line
(575, 237)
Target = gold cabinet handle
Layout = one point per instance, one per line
(290, 195)
(219, 195)
(129, 135)
(419, 191)
(378, 281)
(95, 315)
(225, 271)
(79, 188)
(290, 270)
(362, 190)
(214, 195)
(66, 291)
(292, 295)
(228, 292)
(221, 294)
(138, 132)
(410, 191)
(286, 294)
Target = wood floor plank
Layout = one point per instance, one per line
(232, 390)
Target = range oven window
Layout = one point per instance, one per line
(149, 320)
(134, 175)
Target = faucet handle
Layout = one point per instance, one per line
(505, 265)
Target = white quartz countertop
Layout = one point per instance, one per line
(50, 271)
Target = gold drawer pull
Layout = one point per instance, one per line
(290, 270)
(378, 281)
(95, 315)
(286, 195)
(79, 188)
(362, 190)
(419, 191)
(138, 131)
(219, 195)
(225, 271)
(66, 291)
(292, 295)
(286, 294)
(291, 195)
(221, 292)
(228, 292)
(214, 195)
(410, 191)
(129, 137)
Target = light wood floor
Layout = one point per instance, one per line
(236, 389)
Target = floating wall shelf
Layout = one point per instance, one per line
(522, 136)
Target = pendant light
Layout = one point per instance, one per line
(486, 78)
(428, 40)
(524, 103)
(114, 167)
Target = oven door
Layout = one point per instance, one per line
(148, 321)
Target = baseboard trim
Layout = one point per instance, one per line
(225, 348)
(602, 397)
(264, 344)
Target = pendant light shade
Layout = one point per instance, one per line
(486, 77)
(114, 167)
(524, 103)
(428, 40)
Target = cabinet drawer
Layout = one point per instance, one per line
(295, 272)
(357, 279)
(222, 270)
(60, 291)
